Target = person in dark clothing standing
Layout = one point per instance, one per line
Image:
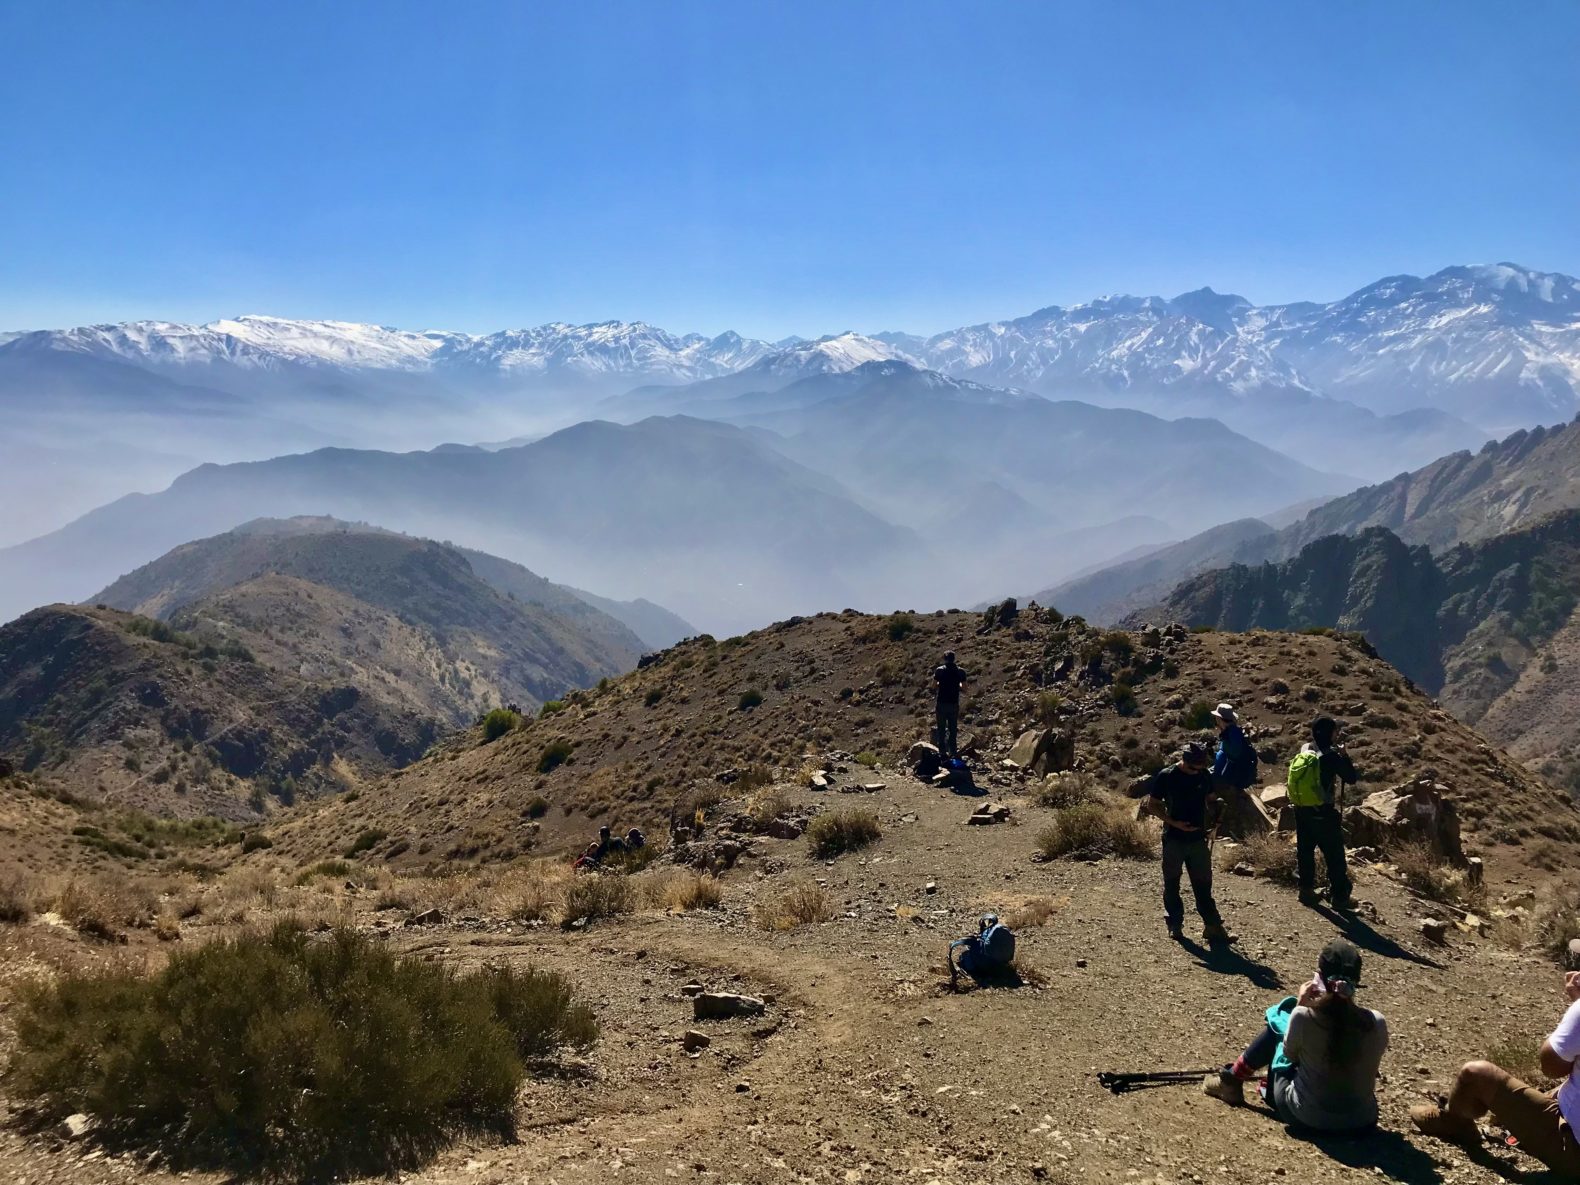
(1314, 777)
(948, 678)
(1188, 805)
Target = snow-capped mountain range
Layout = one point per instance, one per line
(1496, 345)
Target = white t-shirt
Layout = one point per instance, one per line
(1565, 1041)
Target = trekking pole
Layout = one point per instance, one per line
(1121, 1082)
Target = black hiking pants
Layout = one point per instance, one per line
(1320, 829)
(948, 728)
(1192, 856)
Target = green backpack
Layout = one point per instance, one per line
(1305, 780)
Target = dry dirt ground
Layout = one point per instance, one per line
(865, 1070)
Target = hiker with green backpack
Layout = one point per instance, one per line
(1314, 777)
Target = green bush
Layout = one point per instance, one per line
(749, 699)
(537, 807)
(654, 694)
(290, 1058)
(900, 626)
(1198, 716)
(256, 843)
(498, 722)
(370, 838)
(555, 754)
(551, 708)
(842, 831)
(1124, 698)
(1092, 830)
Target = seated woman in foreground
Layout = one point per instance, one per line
(1323, 1051)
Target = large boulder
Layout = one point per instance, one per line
(1417, 812)
(1043, 751)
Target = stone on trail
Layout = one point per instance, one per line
(1434, 929)
(724, 1005)
(1416, 812)
(988, 812)
(693, 1041)
(74, 1127)
(820, 782)
(428, 917)
(1043, 751)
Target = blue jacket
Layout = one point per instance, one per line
(1232, 745)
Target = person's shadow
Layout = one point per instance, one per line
(1514, 1169)
(1368, 938)
(1385, 1152)
(1225, 960)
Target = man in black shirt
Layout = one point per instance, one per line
(948, 679)
(1321, 828)
(1189, 808)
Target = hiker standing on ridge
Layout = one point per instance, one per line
(948, 678)
(1234, 766)
(1184, 791)
(1314, 777)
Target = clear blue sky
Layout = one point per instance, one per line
(770, 167)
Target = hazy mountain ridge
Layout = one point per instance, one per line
(405, 619)
(1461, 498)
(1472, 625)
(90, 699)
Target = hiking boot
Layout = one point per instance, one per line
(1177, 931)
(1345, 904)
(1218, 935)
(1432, 1120)
(1225, 1087)
(1309, 898)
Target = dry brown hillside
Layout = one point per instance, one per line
(861, 684)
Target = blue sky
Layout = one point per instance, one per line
(773, 168)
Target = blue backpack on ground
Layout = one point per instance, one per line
(990, 950)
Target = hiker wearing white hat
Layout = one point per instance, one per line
(1234, 769)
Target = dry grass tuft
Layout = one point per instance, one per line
(1072, 788)
(680, 889)
(1094, 830)
(17, 900)
(801, 903)
(842, 831)
(1039, 911)
(1428, 875)
(594, 896)
(1271, 855)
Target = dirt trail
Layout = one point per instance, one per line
(865, 1070)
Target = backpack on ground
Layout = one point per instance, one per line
(991, 949)
(1305, 780)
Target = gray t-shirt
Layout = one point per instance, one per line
(1323, 1093)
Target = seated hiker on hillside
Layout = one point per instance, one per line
(1234, 765)
(948, 679)
(1322, 1048)
(634, 839)
(1543, 1123)
(1314, 777)
(588, 860)
(1185, 794)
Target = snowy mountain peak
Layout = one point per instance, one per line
(828, 355)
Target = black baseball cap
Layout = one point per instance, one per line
(1340, 960)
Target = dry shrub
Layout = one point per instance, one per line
(801, 903)
(596, 895)
(1555, 921)
(680, 889)
(1428, 875)
(1270, 855)
(1072, 788)
(234, 899)
(533, 892)
(16, 900)
(208, 1057)
(1036, 912)
(1093, 830)
(101, 907)
(842, 831)
(767, 805)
